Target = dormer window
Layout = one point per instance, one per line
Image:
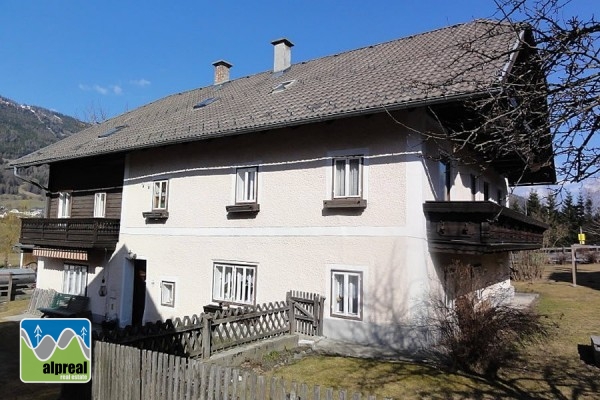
(206, 102)
(280, 87)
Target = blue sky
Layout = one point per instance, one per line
(70, 56)
(77, 56)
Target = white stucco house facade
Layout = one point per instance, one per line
(317, 176)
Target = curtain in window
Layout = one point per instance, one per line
(99, 205)
(75, 279)
(160, 195)
(354, 177)
(246, 185)
(340, 178)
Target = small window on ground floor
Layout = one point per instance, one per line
(167, 293)
(234, 283)
(346, 289)
(75, 279)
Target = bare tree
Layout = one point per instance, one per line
(544, 104)
(568, 50)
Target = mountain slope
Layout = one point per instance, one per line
(24, 129)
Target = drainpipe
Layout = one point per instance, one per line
(34, 183)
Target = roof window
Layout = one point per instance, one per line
(280, 87)
(206, 102)
(111, 131)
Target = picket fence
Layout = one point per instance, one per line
(123, 372)
(205, 334)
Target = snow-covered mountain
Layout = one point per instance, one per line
(26, 128)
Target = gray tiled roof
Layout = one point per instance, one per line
(435, 66)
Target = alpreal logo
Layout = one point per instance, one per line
(56, 350)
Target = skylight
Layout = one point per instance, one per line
(111, 131)
(280, 87)
(206, 102)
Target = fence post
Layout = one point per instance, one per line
(10, 287)
(291, 312)
(206, 335)
(321, 306)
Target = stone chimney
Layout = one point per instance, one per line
(221, 71)
(283, 54)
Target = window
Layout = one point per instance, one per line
(159, 195)
(167, 293)
(64, 205)
(500, 197)
(486, 191)
(75, 279)
(346, 294)
(444, 179)
(245, 185)
(347, 179)
(100, 205)
(234, 283)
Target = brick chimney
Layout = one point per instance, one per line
(221, 71)
(283, 54)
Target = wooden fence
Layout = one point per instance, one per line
(39, 298)
(307, 312)
(122, 372)
(205, 334)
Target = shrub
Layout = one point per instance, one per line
(477, 336)
(527, 265)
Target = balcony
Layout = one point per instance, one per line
(80, 233)
(479, 227)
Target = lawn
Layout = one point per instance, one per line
(558, 368)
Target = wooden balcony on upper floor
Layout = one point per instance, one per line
(479, 227)
(80, 233)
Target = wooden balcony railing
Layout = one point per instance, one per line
(85, 233)
(480, 227)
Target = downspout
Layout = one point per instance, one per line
(34, 183)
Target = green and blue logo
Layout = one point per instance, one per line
(56, 350)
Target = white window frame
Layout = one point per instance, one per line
(228, 283)
(100, 205)
(160, 194)
(246, 189)
(346, 306)
(64, 204)
(75, 279)
(347, 161)
(167, 293)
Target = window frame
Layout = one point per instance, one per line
(97, 203)
(347, 159)
(65, 200)
(241, 195)
(335, 298)
(218, 280)
(76, 269)
(486, 191)
(170, 302)
(157, 197)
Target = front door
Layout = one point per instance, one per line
(139, 292)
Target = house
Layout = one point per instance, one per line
(316, 176)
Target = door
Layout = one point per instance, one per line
(139, 292)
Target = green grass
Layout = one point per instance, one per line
(557, 368)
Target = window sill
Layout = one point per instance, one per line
(349, 202)
(243, 208)
(154, 215)
(347, 317)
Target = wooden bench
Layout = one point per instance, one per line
(67, 306)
